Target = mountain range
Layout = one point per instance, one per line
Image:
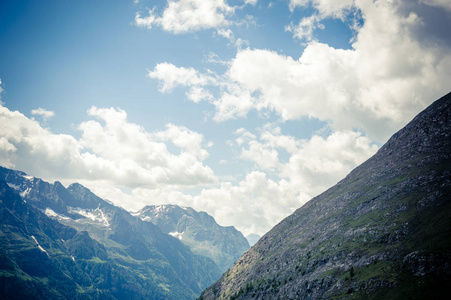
(383, 232)
(61, 243)
(199, 231)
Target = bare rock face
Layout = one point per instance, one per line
(383, 232)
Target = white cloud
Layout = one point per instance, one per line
(227, 33)
(34, 148)
(265, 158)
(114, 154)
(113, 150)
(234, 103)
(185, 139)
(197, 94)
(148, 21)
(321, 162)
(184, 16)
(252, 2)
(257, 202)
(172, 76)
(305, 28)
(374, 86)
(46, 114)
(141, 158)
(313, 165)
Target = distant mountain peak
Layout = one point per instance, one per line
(252, 239)
(199, 231)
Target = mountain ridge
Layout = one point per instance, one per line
(382, 232)
(198, 230)
(111, 253)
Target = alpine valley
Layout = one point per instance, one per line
(383, 232)
(67, 243)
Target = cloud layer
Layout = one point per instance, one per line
(398, 62)
(123, 162)
(110, 148)
(397, 65)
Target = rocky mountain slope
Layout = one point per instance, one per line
(383, 232)
(69, 243)
(199, 231)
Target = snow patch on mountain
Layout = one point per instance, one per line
(97, 215)
(25, 193)
(52, 214)
(177, 235)
(39, 246)
(13, 186)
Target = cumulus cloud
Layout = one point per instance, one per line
(172, 76)
(184, 16)
(374, 86)
(227, 33)
(314, 164)
(110, 149)
(31, 147)
(252, 2)
(45, 114)
(305, 28)
(259, 201)
(254, 205)
(114, 155)
(197, 94)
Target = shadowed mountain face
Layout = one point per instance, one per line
(199, 231)
(69, 243)
(383, 232)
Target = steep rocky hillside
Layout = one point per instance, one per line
(383, 232)
(199, 231)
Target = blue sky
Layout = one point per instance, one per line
(244, 109)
